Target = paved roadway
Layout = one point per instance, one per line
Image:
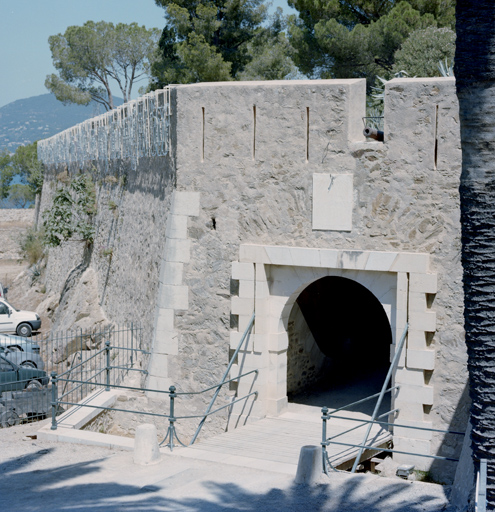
(41, 475)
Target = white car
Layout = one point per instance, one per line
(22, 323)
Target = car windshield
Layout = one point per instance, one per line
(10, 305)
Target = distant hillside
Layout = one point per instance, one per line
(39, 117)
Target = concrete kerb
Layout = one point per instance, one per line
(73, 420)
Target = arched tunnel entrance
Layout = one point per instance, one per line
(339, 344)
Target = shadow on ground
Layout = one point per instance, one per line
(40, 490)
(80, 487)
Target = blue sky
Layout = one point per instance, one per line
(25, 26)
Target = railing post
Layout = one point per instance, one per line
(324, 442)
(171, 420)
(132, 344)
(54, 400)
(81, 376)
(107, 348)
(171, 433)
(480, 503)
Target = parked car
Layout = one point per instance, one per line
(21, 351)
(17, 378)
(16, 321)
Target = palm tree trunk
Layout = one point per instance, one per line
(475, 82)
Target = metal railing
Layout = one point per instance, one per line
(74, 355)
(97, 380)
(393, 366)
(137, 129)
(223, 381)
(375, 419)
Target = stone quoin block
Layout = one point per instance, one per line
(261, 342)
(426, 321)
(177, 250)
(407, 262)
(380, 261)
(416, 394)
(421, 359)
(409, 376)
(244, 321)
(414, 433)
(159, 366)
(353, 260)
(166, 342)
(278, 255)
(278, 342)
(262, 289)
(242, 306)
(426, 283)
(328, 258)
(246, 289)
(186, 203)
(242, 271)
(253, 254)
(172, 272)
(173, 297)
(417, 301)
(165, 319)
(304, 257)
(247, 344)
(177, 226)
(416, 340)
(412, 411)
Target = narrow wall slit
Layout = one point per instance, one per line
(307, 134)
(339, 345)
(254, 132)
(202, 134)
(435, 155)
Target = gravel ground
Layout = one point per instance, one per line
(40, 476)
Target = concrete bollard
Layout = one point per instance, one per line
(146, 450)
(310, 467)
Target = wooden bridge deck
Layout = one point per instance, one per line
(275, 442)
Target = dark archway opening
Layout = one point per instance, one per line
(339, 344)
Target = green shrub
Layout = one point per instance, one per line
(72, 212)
(32, 245)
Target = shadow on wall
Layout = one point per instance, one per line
(452, 443)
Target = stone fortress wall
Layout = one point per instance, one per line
(234, 197)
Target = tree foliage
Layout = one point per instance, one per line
(421, 52)
(21, 195)
(88, 58)
(359, 38)
(221, 40)
(6, 173)
(25, 166)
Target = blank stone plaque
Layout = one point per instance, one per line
(332, 202)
